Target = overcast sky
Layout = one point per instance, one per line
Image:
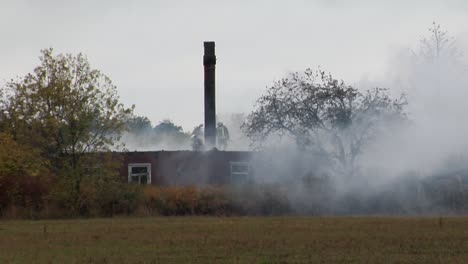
(152, 50)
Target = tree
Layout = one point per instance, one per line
(139, 124)
(138, 133)
(23, 175)
(165, 135)
(66, 110)
(437, 47)
(435, 76)
(167, 127)
(323, 115)
(170, 135)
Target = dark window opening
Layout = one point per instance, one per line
(139, 173)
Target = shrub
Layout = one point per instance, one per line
(115, 198)
(170, 200)
(214, 201)
(259, 200)
(102, 195)
(179, 201)
(24, 177)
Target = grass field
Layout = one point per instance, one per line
(236, 240)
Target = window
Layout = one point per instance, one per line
(139, 173)
(239, 171)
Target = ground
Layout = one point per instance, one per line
(236, 240)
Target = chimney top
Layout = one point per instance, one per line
(209, 58)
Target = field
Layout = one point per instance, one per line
(236, 240)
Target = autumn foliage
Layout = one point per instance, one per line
(24, 176)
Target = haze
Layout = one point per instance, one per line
(152, 50)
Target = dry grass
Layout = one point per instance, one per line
(236, 240)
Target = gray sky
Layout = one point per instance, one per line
(152, 50)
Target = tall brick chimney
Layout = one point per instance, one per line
(209, 63)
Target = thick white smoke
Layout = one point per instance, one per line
(437, 88)
(419, 166)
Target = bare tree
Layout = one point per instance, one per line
(436, 74)
(438, 46)
(323, 115)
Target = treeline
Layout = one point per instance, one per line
(142, 135)
(166, 135)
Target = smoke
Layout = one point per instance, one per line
(143, 137)
(437, 86)
(148, 141)
(237, 139)
(166, 135)
(414, 167)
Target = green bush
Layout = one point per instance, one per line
(24, 179)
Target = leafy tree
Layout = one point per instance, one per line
(165, 135)
(323, 115)
(138, 133)
(19, 160)
(67, 111)
(65, 108)
(170, 133)
(167, 127)
(139, 124)
(23, 175)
